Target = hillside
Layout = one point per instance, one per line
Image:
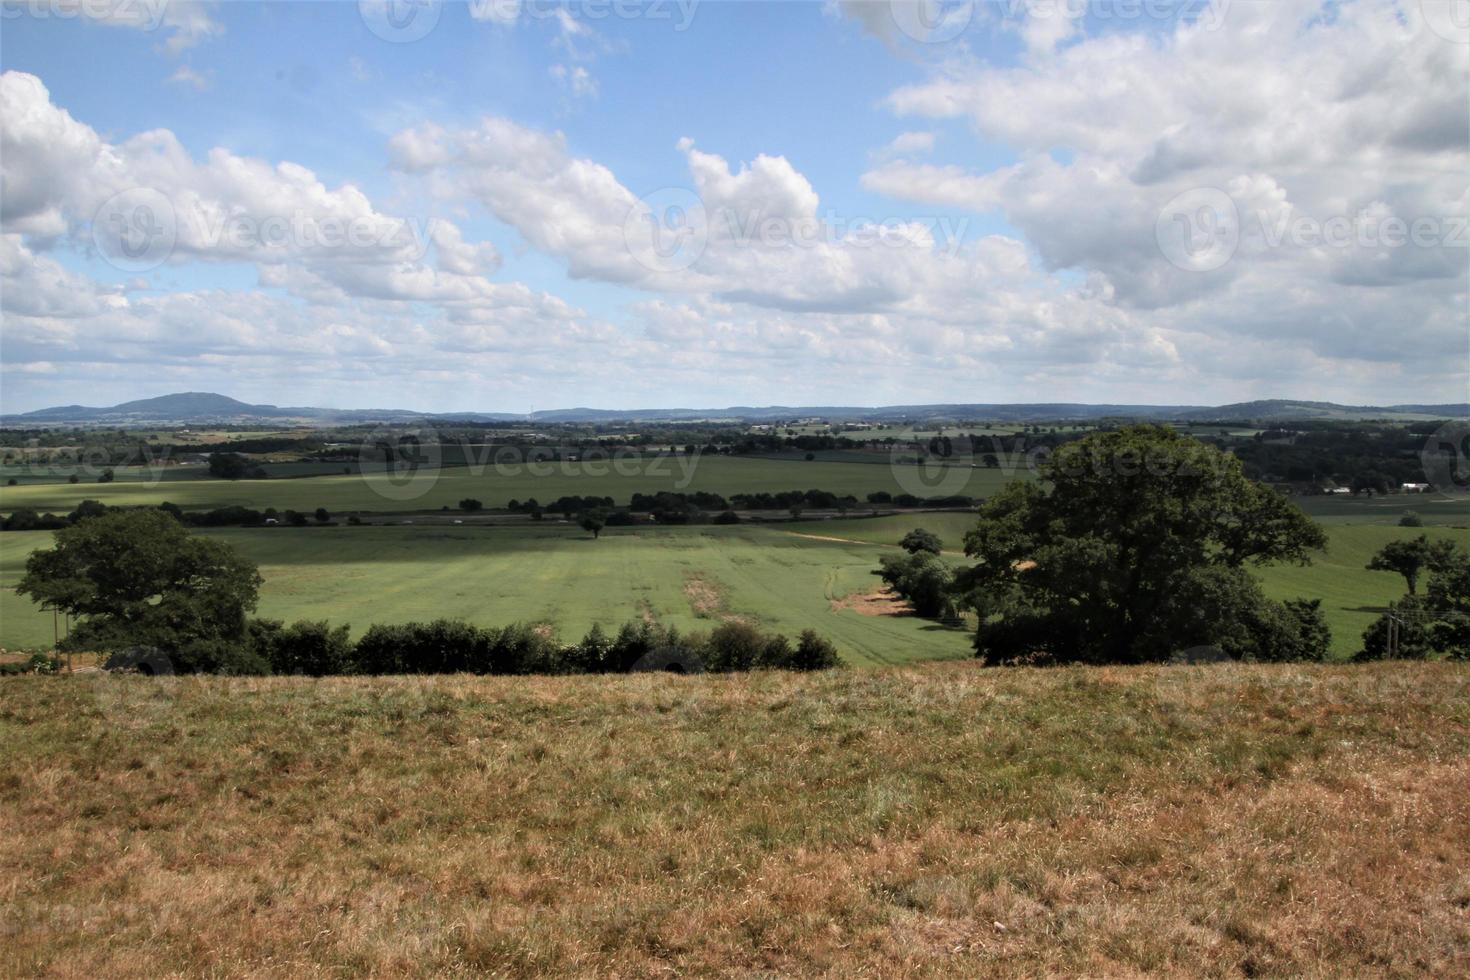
(946, 820)
(194, 406)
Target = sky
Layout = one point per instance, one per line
(513, 206)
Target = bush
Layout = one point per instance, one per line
(311, 648)
(922, 579)
(919, 540)
(814, 652)
(727, 517)
(735, 646)
(469, 505)
(1411, 519)
(1414, 639)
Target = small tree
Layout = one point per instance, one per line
(1408, 558)
(469, 505)
(322, 515)
(919, 540)
(815, 652)
(593, 522)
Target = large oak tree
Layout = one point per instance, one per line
(1132, 547)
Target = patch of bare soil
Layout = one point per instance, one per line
(879, 602)
(706, 596)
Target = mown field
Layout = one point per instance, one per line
(692, 578)
(431, 490)
(943, 820)
(786, 576)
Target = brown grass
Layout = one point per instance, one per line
(944, 820)
(878, 602)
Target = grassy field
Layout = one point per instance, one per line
(342, 493)
(1352, 597)
(688, 577)
(785, 576)
(942, 820)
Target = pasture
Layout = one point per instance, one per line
(691, 578)
(787, 576)
(934, 820)
(373, 491)
(1352, 597)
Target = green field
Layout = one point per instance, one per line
(785, 576)
(557, 574)
(431, 490)
(1352, 597)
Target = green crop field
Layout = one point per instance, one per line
(433, 489)
(687, 577)
(785, 576)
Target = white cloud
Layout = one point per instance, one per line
(575, 79)
(182, 23)
(184, 75)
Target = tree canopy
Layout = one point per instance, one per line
(1131, 548)
(139, 577)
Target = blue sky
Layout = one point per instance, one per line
(1050, 142)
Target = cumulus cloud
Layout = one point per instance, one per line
(63, 179)
(1325, 133)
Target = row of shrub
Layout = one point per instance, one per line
(26, 519)
(445, 646)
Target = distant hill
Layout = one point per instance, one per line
(191, 407)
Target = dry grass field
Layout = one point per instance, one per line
(931, 820)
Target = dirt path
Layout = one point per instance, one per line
(871, 544)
